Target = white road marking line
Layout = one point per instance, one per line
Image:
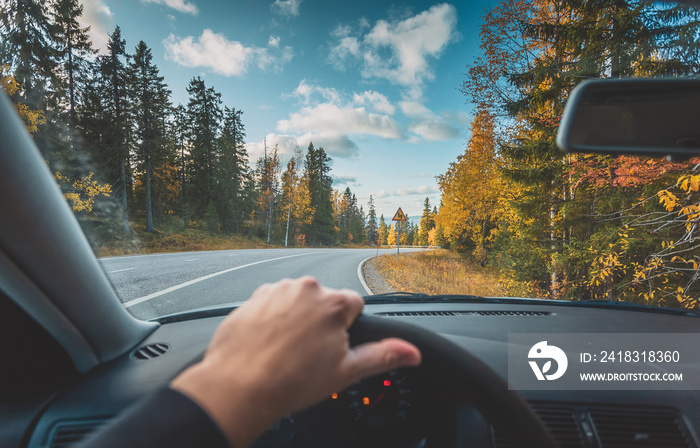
(362, 277)
(192, 259)
(131, 303)
(121, 270)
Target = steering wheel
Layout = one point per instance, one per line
(470, 380)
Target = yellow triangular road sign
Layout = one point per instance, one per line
(399, 216)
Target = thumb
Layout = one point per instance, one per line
(373, 358)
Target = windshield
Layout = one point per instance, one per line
(207, 147)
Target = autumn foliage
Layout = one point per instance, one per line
(583, 227)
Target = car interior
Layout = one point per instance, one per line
(74, 358)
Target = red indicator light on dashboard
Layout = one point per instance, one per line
(387, 383)
(334, 396)
(365, 400)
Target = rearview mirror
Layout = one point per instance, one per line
(653, 117)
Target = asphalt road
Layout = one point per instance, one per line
(161, 284)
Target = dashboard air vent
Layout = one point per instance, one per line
(462, 313)
(560, 421)
(151, 351)
(69, 434)
(634, 428)
(419, 313)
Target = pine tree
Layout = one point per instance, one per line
(179, 133)
(357, 224)
(74, 45)
(233, 171)
(426, 224)
(105, 121)
(29, 48)
(205, 114)
(343, 215)
(317, 169)
(150, 101)
(372, 222)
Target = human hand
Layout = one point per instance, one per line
(283, 350)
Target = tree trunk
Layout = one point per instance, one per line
(269, 219)
(286, 234)
(71, 82)
(554, 287)
(149, 208)
(123, 183)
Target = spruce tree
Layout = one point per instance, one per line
(205, 115)
(233, 171)
(426, 224)
(74, 46)
(317, 168)
(29, 39)
(150, 101)
(371, 222)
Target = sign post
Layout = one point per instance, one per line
(399, 217)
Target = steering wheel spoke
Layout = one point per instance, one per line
(466, 377)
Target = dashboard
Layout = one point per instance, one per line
(382, 411)
(403, 408)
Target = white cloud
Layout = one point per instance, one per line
(328, 118)
(427, 125)
(381, 194)
(347, 46)
(333, 116)
(306, 91)
(98, 16)
(274, 41)
(340, 146)
(286, 7)
(376, 100)
(414, 108)
(434, 128)
(222, 56)
(399, 51)
(182, 6)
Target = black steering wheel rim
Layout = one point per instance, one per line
(471, 380)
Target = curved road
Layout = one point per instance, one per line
(160, 284)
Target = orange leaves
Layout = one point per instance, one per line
(624, 171)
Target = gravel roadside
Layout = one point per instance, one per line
(375, 280)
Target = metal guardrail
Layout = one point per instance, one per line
(393, 246)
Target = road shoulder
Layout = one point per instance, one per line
(374, 279)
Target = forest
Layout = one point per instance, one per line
(580, 227)
(127, 158)
(577, 227)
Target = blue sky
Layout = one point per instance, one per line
(375, 83)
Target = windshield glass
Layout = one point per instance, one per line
(207, 147)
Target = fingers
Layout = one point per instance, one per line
(348, 304)
(377, 357)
